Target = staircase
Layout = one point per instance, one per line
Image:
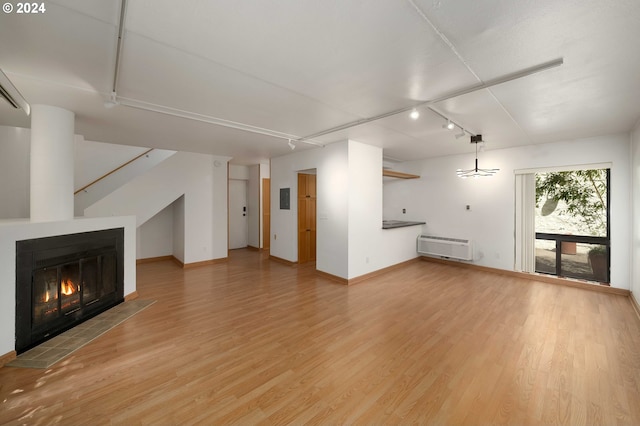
(91, 193)
(201, 180)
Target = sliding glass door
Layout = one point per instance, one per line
(572, 224)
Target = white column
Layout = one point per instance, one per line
(52, 155)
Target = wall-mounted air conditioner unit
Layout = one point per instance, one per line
(453, 248)
(9, 92)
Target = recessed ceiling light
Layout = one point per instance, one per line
(414, 114)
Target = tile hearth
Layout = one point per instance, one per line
(59, 347)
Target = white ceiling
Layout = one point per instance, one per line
(302, 67)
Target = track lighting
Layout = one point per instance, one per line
(414, 114)
(112, 101)
(291, 144)
(449, 125)
(461, 134)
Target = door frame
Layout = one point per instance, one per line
(229, 212)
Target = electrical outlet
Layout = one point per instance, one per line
(404, 211)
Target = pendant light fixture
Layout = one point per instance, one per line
(476, 172)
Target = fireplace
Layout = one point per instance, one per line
(64, 280)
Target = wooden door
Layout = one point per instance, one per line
(266, 213)
(306, 218)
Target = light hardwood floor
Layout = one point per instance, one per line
(254, 341)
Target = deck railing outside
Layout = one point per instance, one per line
(573, 256)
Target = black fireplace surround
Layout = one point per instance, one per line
(64, 280)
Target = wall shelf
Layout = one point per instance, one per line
(399, 175)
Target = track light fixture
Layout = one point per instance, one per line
(449, 125)
(414, 114)
(476, 172)
(291, 144)
(112, 101)
(461, 134)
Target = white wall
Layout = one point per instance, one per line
(218, 196)
(95, 159)
(265, 173)
(202, 179)
(12, 231)
(238, 172)
(91, 161)
(350, 238)
(371, 247)
(440, 197)
(635, 239)
(365, 207)
(205, 209)
(178, 229)
(14, 172)
(331, 163)
(253, 175)
(254, 203)
(154, 238)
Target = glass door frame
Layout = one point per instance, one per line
(604, 241)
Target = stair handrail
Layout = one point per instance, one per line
(112, 171)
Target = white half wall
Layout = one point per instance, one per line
(370, 247)
(635, 238)
(15, 166)
(439, 197)
(12, 231)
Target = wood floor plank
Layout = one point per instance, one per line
(252, 341)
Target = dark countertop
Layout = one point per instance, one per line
(391, 224)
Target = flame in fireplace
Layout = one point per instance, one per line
(67, 287)
(46, 296)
